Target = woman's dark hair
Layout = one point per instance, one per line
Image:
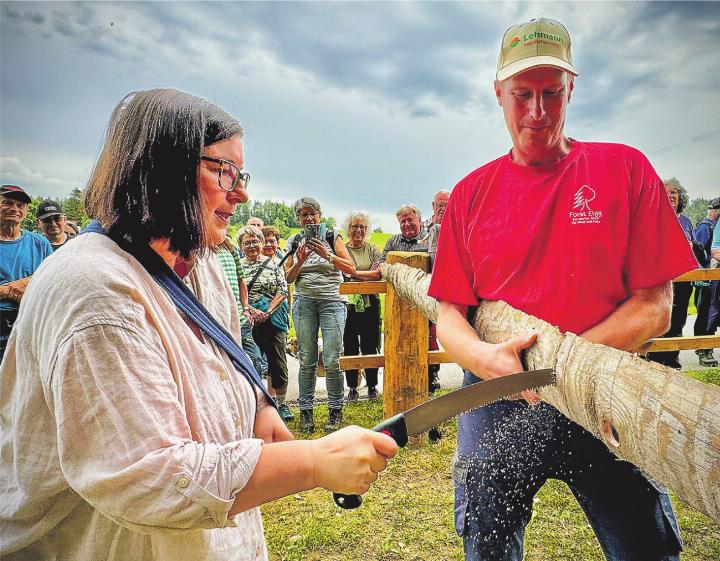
(144, 184)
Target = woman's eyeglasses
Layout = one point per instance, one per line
(229, 175)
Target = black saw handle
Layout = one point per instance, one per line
(395, 428)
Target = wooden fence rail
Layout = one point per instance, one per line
(441, 357)
(406, 355)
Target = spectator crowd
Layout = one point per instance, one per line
(328, 324)
(315, 262)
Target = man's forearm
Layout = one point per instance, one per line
(644, 315)
(15, 290)
(460, 340)
(485, 360)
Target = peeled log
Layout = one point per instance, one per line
(664, 422)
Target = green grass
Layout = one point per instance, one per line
(408, 513)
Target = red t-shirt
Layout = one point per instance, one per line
(566, 242)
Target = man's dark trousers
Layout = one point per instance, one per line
(506, 452)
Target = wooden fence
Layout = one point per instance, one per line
(406, 355)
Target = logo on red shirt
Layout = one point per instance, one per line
(581, 212)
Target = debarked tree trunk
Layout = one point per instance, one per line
(663, 421)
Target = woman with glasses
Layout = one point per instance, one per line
(317, 269)
(132, 426)
(362, 328)
(271, 247)
(267, 294)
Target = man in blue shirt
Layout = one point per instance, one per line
(703, 289)
(21, 253)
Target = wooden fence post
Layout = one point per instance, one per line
(405, 344)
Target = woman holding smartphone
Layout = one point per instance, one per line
(317, 269)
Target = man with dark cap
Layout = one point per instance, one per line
(53, 223)
(585, 257)
(703, 289)
(21, 252)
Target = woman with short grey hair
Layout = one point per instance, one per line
(362, 328)
(317, 268)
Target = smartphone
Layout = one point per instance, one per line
(312, 231)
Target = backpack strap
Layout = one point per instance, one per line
(257, 273)
(330, 237)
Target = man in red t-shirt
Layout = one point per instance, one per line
(566, 231)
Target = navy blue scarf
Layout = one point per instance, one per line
(188, 303)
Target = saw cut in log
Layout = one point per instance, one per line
(664, 422)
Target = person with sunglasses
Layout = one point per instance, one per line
(132, 425)
(53, 223)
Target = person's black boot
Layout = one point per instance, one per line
(434, 381)
(334, 420)
(372, 393)
(353, 396)
(307, 423)
(707, 359)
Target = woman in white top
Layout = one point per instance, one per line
(125, 431)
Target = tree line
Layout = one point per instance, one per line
(271, 213)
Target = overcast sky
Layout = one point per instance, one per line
(362, 105)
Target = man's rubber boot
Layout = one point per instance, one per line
(707, 359)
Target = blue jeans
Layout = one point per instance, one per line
(250, 347)
(262, 361)
(506, 452)
(309, 315)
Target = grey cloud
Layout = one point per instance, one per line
(10, 13)
(35, 18)
(422, 112)
(714, 134)
(651, 56)
(64, 28)
(396, 54)
(423, 49)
